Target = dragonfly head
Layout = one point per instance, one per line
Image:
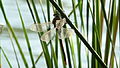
(56, 17)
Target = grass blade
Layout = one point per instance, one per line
(73, 10)
(78, 42)
(26, 37)
(87, 27)
(54, 57)
(6, 57)
(14, 48)
(31, 11)
(51, 46)
(63, 53)
(115, 28)
(101, 22)
(98, 48)
(48, 10)
(35, 10)
(80, 6)
(42, 10)
(68, 53)
(93, 62)
(60, 3)
(72, 52)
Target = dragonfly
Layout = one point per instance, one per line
(1, 27)
(55, 27)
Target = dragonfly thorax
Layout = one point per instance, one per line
(55, 19)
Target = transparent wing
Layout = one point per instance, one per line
(41, 27)
(60, 23)
(49, 35)
(65, 33)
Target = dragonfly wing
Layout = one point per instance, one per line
(60, 23)
(37, 27)
(65, 33)
(49, 35)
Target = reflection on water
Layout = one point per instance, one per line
(13, 17)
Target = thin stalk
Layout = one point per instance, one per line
(56, 38)
(80, 7)
(42, 10)
(6, 58)
(14, 49)
(107, 47)
(109, 10)
(63, 58)
(48, 10)
(98, 48)
(72, 51)
(87, 27)
(104, 13)
(35, 11)
(31, 11)
(115, 28)
(55, 58)
(68, 53)
(56, 45)
(87, 22)
(38, 57)
(73, 10)
(101, 23)
(60, 3)
(51, 46)
(26, 37)
(63, 51)
(93, 61)
(77, 39)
